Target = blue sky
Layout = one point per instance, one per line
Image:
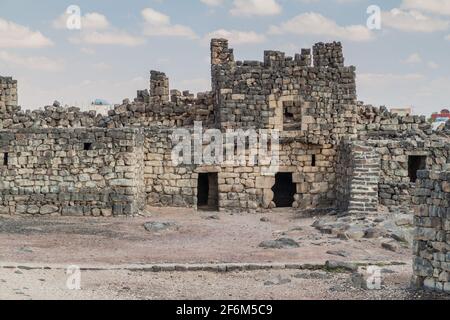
(404, 63)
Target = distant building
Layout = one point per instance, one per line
(100, 102)
(444, 115)
(438, 125)
(100, 106)
(402, 111)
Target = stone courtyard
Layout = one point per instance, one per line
(360, 170)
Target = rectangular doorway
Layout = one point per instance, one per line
(208, 192)
(416, 163)
(284, 190)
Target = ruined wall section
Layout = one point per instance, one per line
(313, 172)
(378, 123)
(71, 172)
(318, 102)
(242, 186)
(358, 169)
(431, 247)
(157, 107)
(395, 186)
(165, 183)
(8, 94)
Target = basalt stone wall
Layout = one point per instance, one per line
(157, 107)
(71, 171)
(432, 237)
(379, 123)
(358, 169)
(166, 184)
(241, 184)
(285, 93)
(8, 93)
(313, 172)
(400, 161)
(310, 98)
(54, 116)
(181, 111)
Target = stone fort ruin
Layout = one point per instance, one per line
(335, 152)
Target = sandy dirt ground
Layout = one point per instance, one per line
(268, 285)
(198, 238)
(194, 238)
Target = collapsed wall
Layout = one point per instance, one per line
(71, 171)
(431, 247)
(157, 107)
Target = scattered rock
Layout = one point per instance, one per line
(373, 233)
(405, 220)
(278, 281)
(213, 217)
(158, 226)
(313, 275)
(25, 250)
(355, 233)
(343, 236)
(340, 253)
(358, 281)
(389, 246)
(341, 265)
(282, 243)
(365, 281)
(389, 271)
(264, 219)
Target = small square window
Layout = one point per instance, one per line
(87, 146)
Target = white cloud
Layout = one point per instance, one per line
(88, 51)
(195, 85)
(255, 8)
(102, 66)
(13, 35)
(155, 18)
(413, 59)
(447, 37)
(432, 65)
(97, 30)
(157, 24)
(90, 21)
(316, 24)
(32, 62)
(413, 21)
(212, 3)
(416, 59)
(433, 6)
(387, 78)
(237, 37)
(113, 37)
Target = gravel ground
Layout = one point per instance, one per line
(184, 237)
(280, 284)
(193, 238)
